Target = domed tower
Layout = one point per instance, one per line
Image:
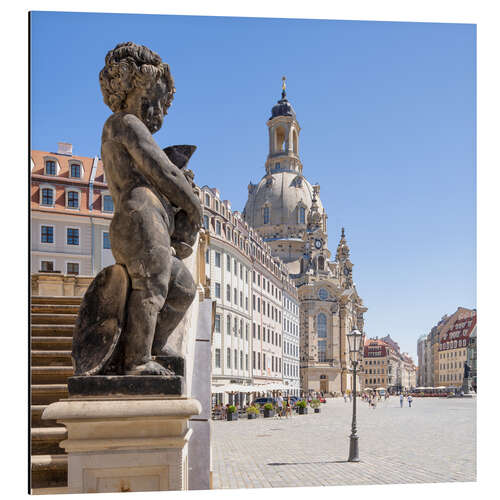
(280, 205)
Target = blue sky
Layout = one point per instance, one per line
(387, 112)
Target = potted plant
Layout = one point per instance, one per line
(268, 410)
(252, 412)
(315, 403)
(232, 414)
(302, 406)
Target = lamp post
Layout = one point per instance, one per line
(356, 344)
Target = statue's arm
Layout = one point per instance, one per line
(155, 165)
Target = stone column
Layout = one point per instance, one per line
(125, 444)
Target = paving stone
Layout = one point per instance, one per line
(434, 441)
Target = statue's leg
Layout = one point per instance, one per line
(181, 293)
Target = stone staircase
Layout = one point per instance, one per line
(52, 321)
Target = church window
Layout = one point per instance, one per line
(321, 350)
(278, 166)
(266, 215)
(302, 215)
(321, 326)
(323, 294)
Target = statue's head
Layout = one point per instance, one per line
(135, 80)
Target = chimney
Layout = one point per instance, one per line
(64, 148)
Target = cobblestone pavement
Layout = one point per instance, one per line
(434, 441)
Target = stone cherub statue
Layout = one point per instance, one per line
(132, 307)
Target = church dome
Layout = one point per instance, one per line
(282, 108)
(285, 195)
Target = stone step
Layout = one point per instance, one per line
(45, 440)
(51, 374)
(53, 319)
(38, 299)
(51, 358)
(49, 472)
(51, 343)
(52, 331)
(44, 394)
(55, 308)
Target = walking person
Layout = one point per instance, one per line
(410, 399)
(279, 404)
(345, 397)
(401, 398)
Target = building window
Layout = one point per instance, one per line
(228, 362)
(321, 320)
(217, 323)
(72, 268)
(217, 358)
(207, 257)
(302, 215)
(47, 197)
(50, 167)
(107, 203)
(75, 170)
(205, 222)
(228, 263)
(266, 215)
(228, 325)
(228, 293)
(217, 290)
(106, 242)
(236, 359)
(47, 266)
(47, 234)
(217, 259)
(207, 200)
(72, 236)
(73, 199)
(235, 297)
(217, 227)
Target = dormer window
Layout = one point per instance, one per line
(277, 166)
(207, 200)
(50, 167)
(75, 170)
(107, 203)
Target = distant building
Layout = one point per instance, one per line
(434, 370)
(71, 209)
(287, 212)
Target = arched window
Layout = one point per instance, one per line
(280, 139)
(321, 320)
(321, 263)
(266, 215)
(302, 215)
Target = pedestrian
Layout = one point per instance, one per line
(288, 407)
(401, 398)
(350, 397)
(345, 397)
(374, 402)
(410, 399)
(279, 404)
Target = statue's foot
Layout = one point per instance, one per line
(149, 368)
(166, 352)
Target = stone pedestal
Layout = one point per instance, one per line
(125, 444)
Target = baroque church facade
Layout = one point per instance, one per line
(287, 212)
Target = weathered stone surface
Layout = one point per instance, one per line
(125, 385)
(100, 320)
(156, 222)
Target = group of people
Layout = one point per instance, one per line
(409, 398)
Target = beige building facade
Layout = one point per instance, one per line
(286, 211)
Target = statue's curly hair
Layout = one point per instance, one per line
(129, 66)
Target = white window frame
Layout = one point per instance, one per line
(66, 244)
(66, 193)
(66, 262)
(58, 167)
(46, 259)
(103, 194)
(53, 233)
(80, 164)
(47, 186)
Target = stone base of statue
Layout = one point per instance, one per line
(127, 443)
(466, 388)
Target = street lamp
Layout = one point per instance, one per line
(356, 344)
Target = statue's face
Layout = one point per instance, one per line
(149, 104)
